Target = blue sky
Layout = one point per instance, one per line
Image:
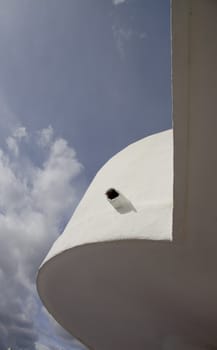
(80, 80)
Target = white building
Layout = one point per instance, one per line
(136, 267)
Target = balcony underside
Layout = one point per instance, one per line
(134, 294)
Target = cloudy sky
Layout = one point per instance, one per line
(79, 80)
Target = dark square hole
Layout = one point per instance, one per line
(112, 193)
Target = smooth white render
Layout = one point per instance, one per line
(143, 174)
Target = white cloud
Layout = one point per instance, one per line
(15, 139)
(12, 145)
(45, 136)
(121, 37)
(39, 346)
(118, 2)
(20, 133)
(35, 200)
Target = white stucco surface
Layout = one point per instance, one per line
(143, 174)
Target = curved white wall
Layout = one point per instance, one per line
(143, 174)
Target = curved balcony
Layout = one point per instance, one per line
(102, 262)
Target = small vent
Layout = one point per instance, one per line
(112, 193)
(119, 202)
